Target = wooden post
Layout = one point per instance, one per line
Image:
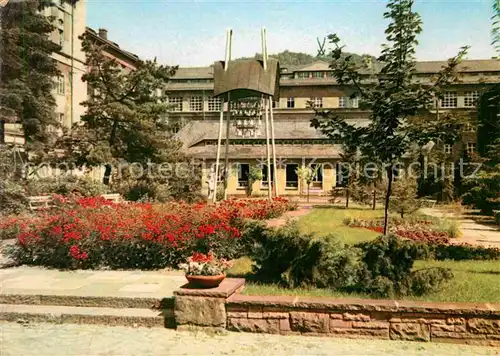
(229, 39)
(268, 150)
(275, 168)
(226, 164)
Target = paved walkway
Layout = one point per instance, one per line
(38, 281)
(52, 339)
(302, 210)
(472, 232)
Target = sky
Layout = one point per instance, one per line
(192, 33)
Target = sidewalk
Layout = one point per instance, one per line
(472, 232)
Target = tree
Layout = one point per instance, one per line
(495, 31)
(27, 72)
(405, 194)
(254, 175)
(307, 175)
(391, 94)
(125, 118)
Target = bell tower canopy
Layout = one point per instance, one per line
(246, 78)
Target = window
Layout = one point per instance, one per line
(214, 104)
(264, 176)
(447, 148)
(61, 37)
(317, 102)
(303, 75)
(175, 103)
(276, 104)
(468, 127)
(60, 84)
(317, 74)
(196, 103)
(470, 99)
(292, 179)
(355, 102)
(449, 100)
(243, 172)
(342, 102)
(290, 103)
(317, 181)
(470, 148)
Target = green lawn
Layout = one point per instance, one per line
(474, 281)
(324, 221)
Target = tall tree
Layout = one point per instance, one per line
(27, 71)
(391, 94)
(125, 117)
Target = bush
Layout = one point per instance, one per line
(65, 185)
(287, 257)
(404, 197)
(462, 252)
(484, 191)
(387, 271)
(497, 218)
(13, 198)
(93, 233)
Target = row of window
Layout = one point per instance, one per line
(292, 179)
(450, 99)
(470, 148)
(214, 104)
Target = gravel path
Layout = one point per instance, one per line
(52, 339)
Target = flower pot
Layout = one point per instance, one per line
(205, 281)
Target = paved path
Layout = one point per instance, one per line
(302, 210)
(53, 339)
(472, 232)
(38, 281)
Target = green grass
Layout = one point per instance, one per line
(325, 221)
(474, 281)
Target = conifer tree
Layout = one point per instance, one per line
(27, 72)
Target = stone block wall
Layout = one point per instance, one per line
(408, 321)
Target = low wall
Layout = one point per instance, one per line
(470, 323)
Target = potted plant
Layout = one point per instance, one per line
(205, 271)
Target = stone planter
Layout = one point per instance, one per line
(205, 281)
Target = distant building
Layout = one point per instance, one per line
(196, 114)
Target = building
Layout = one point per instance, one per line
(69, 91)
(196, 114)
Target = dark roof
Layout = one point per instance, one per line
(246, 78)
(133, 57)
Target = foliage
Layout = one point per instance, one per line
(292, 259)
(94, 233)
(497, 217)
(306, 175)
(13, 198)
(288, 58)
(404, 197)
(495, 32)
(254, 175)
(125, 118)
(27, 72)
(484, 191)
(388, 269)
(200, 264)
(460, 252)
(65, 185)
(397, 103)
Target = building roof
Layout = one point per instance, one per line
(197, 131)
(112, 45)
(259, 151)
(425, 67)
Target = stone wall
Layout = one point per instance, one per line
(395, 320)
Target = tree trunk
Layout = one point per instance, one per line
(390, 172)
(2, 132)
(107, 174)
(308, 193)
(374, 201)
(347, 196)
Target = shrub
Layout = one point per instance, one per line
(92, 232)
(13, 198)
(387, 271)
(484, 191)
(65, 185)
(497, 217)
(463, 252)
(404, 197)
(287, 257)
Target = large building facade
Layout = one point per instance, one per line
(196, 113)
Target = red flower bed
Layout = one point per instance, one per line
(93, 232)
